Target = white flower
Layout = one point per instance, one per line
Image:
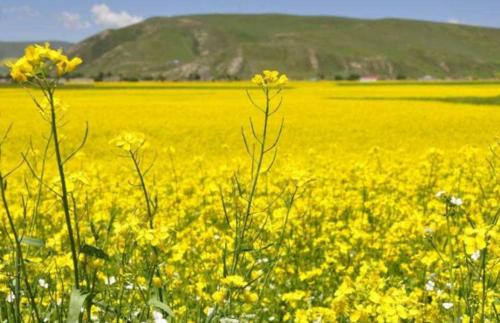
(210, 311)
(158, 317)
(229, 320)
(428, 230)
(447, 305)
(10, 298)
(110, 281)
(94, 317)
(475, 255)
(43, 283)
(456, 201)
(440, 194)
(429, 286)
(262, 260)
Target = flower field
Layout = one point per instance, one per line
(369, 203)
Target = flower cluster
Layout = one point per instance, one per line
(270, 79)
(130, 141)
(42, 61)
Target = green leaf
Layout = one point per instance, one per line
(246, 248)
(161, 306)
(76, 302)
(94, 252)
(34, 242)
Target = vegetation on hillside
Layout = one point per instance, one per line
(235, 46)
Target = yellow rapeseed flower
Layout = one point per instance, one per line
(474, 239)
(40, 61)
(258, 79)
(65, 66)
(32, 55)
(157, 282)
(73, 64)
(250, 297)
(21, 69)
(218, 296)
(234, 281)
(129, 141)
(18, 75)
(270, 79)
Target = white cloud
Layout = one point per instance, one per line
(104, 16)
(20, 11)
(454, 21)
(73, 21)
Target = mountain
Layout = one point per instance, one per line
(11, 50)
(234, 46)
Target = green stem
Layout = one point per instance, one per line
(483, 270)
(253, 190)
(452, 259)
(65, 200)
(279, 245)
(144, 189)
(150, 219)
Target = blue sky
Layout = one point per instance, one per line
(75, 20)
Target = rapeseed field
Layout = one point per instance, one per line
(262, 201)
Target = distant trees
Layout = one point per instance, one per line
(347, 77)
(101, 76)
(353, 77)
(195, 76)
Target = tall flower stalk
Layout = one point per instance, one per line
(133, 145)
(42, 67)
(271, 84)
(247, 229)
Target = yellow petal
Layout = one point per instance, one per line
(73, 64)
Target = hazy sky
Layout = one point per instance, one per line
(75, 20)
